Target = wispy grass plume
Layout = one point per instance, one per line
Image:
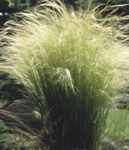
(72, 67)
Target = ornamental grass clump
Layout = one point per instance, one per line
(72, 67)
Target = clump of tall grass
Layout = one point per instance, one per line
(72, 67)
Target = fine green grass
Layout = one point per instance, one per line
(72, 67)
(117, 124)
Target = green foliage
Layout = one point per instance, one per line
(117, 125)
(3, 127)
(16, 138)
(72, 67)
(4, 133)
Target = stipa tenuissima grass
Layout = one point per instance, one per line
(71, 67)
